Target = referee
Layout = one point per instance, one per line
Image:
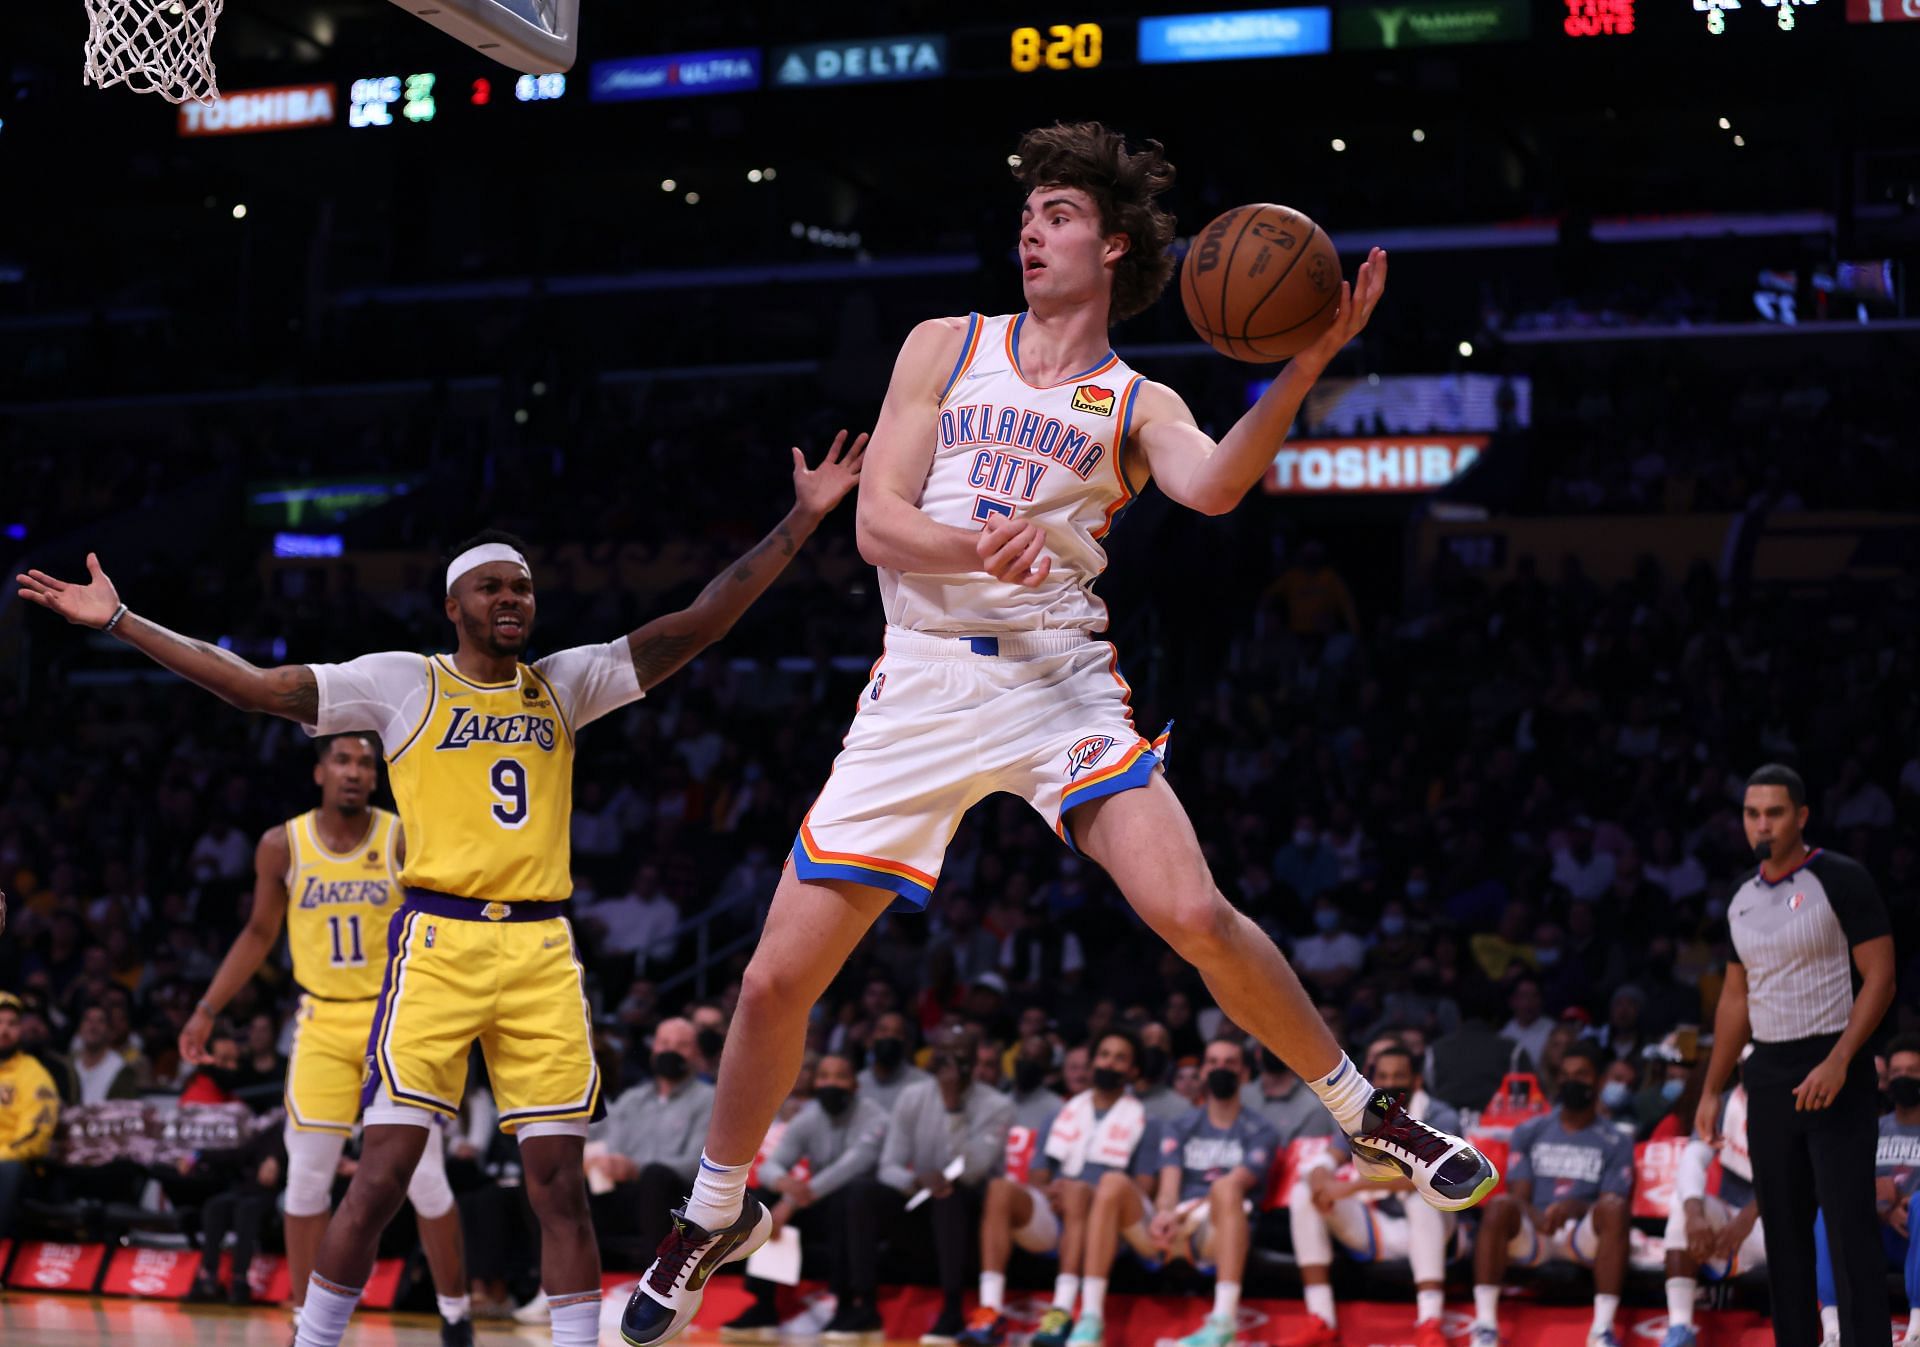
(1802, 924)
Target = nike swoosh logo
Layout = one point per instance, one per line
(554, 943)
(982, 374)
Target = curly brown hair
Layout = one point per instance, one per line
(1123, 184)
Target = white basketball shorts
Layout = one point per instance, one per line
(945, 722)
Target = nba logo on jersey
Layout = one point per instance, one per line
(1088, 752)
(1793, 903)
(1093, 398)
(879, 686)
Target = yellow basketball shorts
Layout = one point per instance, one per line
(329, 1064)
(510, 981)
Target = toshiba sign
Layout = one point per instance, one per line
(1357, 467)
(259, 110)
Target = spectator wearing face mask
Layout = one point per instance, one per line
(1286, 1103)
(710, 1038)
(1330, 957)
(838, 1135)
(640, 1158)
(888, 1071)
(1033, 1103)
(1306, 865)
(1528, 1027)
(1155, 1086)
(1396, 945)
(1619, 1084)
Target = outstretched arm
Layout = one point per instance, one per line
(288, 691)
(1213, 478)
(669, 641)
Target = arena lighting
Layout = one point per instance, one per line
(1725, 125)
(754, 175)
(1013, 161)
(767, 174)
(1466, 349)
(520, 416)
(1339, 145)
(1419, 136)
(240, 211)
(1740, 140)
(668, 184)
(693, 198)
(539, 388)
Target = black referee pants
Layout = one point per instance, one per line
(1820, 1160)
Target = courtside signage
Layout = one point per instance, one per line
(678, 76)
(247, 110)
(879, 60)
(1371, 467)
(1236, 35)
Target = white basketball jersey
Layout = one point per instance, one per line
(1050, 455)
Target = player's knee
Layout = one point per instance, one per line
(775, 986)
(1610, 1213)
(557, 1198)
(1075, 1196)
(312, 1159)
(1202, 924)
(1000, 1192)
(375, 1195)
(1112, 1190)
(1300, 1196)
(1500, 1215)
(428, 1190)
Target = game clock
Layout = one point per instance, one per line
(1057, 46)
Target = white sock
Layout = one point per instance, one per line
(993, 1291)
(1093, 1297)
(576, 1319)
(1913, 1323)
(1680, 1300)
(324, 1315)
(454, 1309)
(1486, 1305)
(1430, 1305)
(1320, 1304)
(1345, 1092)
(1066, 1290)
(1226, 1300)
(717, 1192)
(1829, 1321)
(1604, 1308)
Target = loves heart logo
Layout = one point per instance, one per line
(1093, 398)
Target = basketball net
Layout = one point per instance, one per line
(161, 47)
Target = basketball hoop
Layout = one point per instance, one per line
(161, 47)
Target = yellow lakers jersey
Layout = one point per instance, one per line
(485, 788)
(338, 907)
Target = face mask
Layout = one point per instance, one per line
(835, 1099)
(1547, 957)
(669, 1066)
(711, 1041)
(1576, 1096)
(1107, 1080)
(1904, 1090)
(7, 1054)
(1671, 1090)
(1028, 1075)
(888, 1053)
(1153, 1065)
(1302, 838)
(1614, 1096)
(1416, 889)
(1223, 1084)
(1326, 919)
(1393, 926)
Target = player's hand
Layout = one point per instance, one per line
(88, 605)
(1735, 1233)
(193, 1039)
(1699, 1237)
(269, 1173)
(1706, 1120)
(1357, 302)
(1558, 1215)
(818, 490)
(1010, 550)
(782, 1213)
(1165, 1226)
(1821, 1087)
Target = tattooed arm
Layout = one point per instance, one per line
(669, 641)
(289, 690)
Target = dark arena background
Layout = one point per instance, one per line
(1615, 500)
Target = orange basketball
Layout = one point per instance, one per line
(1261, 283)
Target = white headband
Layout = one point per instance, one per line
(480, 556)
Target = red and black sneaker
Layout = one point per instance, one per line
(670, 1293)
(1447, 1172)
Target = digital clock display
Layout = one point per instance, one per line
(1059, 46)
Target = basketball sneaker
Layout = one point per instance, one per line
(1317, 1333)
(1679, 1335)
(1053, 1328)
(670, 1293)
(985, 1328)
(1088, 1331)
(1216, 1330)
(1448, 1173)
(1429, 1333)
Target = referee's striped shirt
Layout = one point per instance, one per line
(1796, 934)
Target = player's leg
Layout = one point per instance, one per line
(1225, 1243)
(325, 1076)
(1117, 1207)
(1610, 1223)
(388, 1153)
(1144, 840)
(1427, 1233)
(1313, 1251)
(438, 1218)
(552, 1161)
(810, 930)
(1505, 1233)
(1007, 1207)
(1076, 1210)
(1683, 1269)
(313, 1158)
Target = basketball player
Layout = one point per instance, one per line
(1004, 451)
(333, 875)
(480, 754)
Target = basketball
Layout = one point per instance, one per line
(1261, 283)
